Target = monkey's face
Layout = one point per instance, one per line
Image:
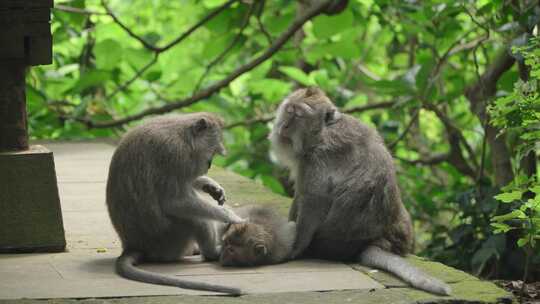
(244, 245)
(207, 140)
(301, 118)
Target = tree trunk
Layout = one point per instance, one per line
(479, 94)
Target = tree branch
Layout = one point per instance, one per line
(261, 25)
(430, 160)
(209, 91)
(249, 122)
(127, 29)
(266, 119)
(486, 86)
(180, 38)
(224, 53)
(76, 10)
(478, 95)
(380, 105)
(197, 25)
(449, 125)
(407, 129)
(132, 79)
(455, 137)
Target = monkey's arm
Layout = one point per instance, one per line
(293, 211)
(208, 237)
(210, 186)
(192, 206)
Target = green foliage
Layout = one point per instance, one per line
(519, 112)
(419, 55)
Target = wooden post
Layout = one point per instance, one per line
(30, 220)
(25, 39)
(13, 125)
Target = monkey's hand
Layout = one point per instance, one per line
(216, 192)
(211, 187)
(233, 218)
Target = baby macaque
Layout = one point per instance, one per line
(265, 238)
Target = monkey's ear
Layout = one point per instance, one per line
(313, 91)
(200, 125)
(331, 117)
(260, 250)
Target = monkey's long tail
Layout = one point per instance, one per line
(125, 267)
(377, 258)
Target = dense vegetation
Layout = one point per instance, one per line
(453, 87)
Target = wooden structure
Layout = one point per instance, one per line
(30, 219)
(25, 40)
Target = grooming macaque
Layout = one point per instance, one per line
(154, 200)
(265, 238)
(347, 203)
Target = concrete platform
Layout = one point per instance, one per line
(85, 271)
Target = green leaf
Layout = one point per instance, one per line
(523, 241)
(152, 75)
(272, 183)
(273, 90)
(298, 75)
(90, 79)
(501, 227)
(509, 197)
(516, 214)
(327, 26)
(279, 23)
(108, 54)
(393, 87)
(345, 48)
(535, 189)
(213, 3)
(137, 58)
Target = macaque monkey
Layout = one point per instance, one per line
(265, 238)
(347, 204)
(154, 196)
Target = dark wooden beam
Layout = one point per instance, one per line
(25, 40)
(13, 124)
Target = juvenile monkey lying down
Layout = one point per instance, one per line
(265, 238)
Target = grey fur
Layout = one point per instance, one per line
(153, 195)
(265, 238)
(347, 201)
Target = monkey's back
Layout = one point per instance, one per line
(261, 215)
(364, 200)
(282, 231)
(142, 175)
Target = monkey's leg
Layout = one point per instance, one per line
(308, 221)
(207, 239)
(210, 186)
(195, 207)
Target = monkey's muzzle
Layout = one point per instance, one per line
(222, 150)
